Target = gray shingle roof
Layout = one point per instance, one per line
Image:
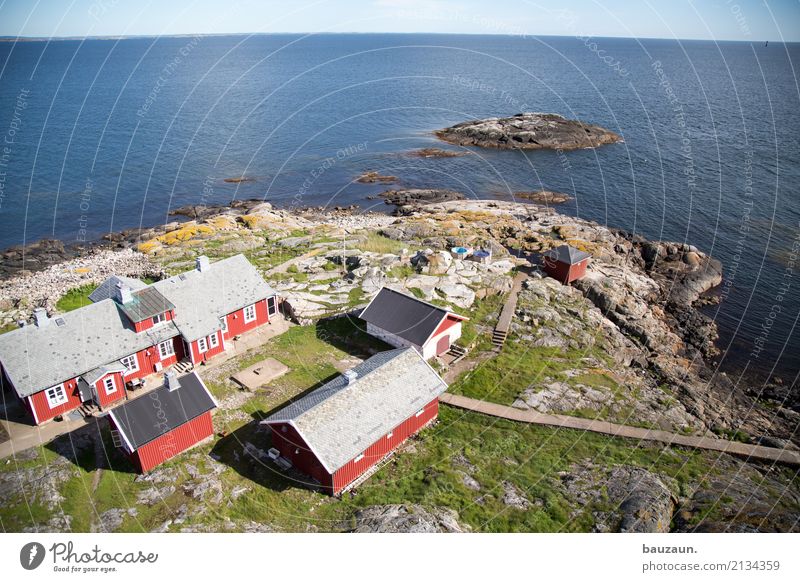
(107, 288)
(403, 315)
(36, 358)
(151, 415)
(202, 298)
(146, 303)
(566, 254)
(339, 420)
(93, 376)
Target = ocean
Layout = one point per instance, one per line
(102, 135)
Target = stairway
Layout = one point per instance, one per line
(499, 338)
(457, 352)
(89, 409)
(183, 367)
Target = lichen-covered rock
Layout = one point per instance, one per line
(407, 519)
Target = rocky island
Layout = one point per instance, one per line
(529, 131)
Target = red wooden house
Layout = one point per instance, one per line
(85, 358)
(153, 428)
(565, 263)
(339, 432)
(402, 320)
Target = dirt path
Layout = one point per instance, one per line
(785, 456)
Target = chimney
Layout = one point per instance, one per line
(123, 293)
(351, 376)
(40, 317)
(202, 264)
(171, 381)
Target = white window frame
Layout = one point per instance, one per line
(274, 309)
(159, 319)
(166, 349)
(250, 309)
(202, 345)
(420, 413)
(128, 369)
(213, 341)
(224, 323)
(113, 384)
(358, 458)
(59, 396)
(390, 435)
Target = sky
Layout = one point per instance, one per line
(750, 20)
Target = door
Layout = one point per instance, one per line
(443, 344)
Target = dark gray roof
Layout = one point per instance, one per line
(151, 415)
(339, 421)
(146, 303)
(107, 288)
(566, 254)
(403, 315)
(72, 344)
(202, 298)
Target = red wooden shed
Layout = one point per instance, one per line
(565, 263)
(340, 432)
(155, 427)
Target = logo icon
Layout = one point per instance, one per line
(31, 555)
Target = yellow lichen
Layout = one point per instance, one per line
(149, 246)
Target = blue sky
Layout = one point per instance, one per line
(753, 20)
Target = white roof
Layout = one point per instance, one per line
(339, 421)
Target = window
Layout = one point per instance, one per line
(224, 320)
(202, 345)
(166, 349)
(56, 395)
(250, 313)
(131, 364)
(390, 435)
(213, 341)
(420, 413)
(160, 318)
(358, 458)
(272, 305)
(110, 385)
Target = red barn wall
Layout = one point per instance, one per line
(198, 357)
(236, 324)
(105, 399)
(292, 446)
(38, 401)
(152, 454)
(145, 324)
(148, 358)
(383, 446)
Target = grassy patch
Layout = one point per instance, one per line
(377, 243)
(75, 298)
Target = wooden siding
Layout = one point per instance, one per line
(157, 451)
(292, 446)
(146, 324)
(236, 324)
(564, 272)
(149, 357)
(38, 401)
(198, 357)
(104, 399)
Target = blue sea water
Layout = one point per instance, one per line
(103, 135)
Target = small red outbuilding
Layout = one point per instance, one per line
(565, 263)
(340, 431)
(155, 427)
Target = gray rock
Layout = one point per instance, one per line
(407, 519)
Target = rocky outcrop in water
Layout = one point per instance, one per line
(529, 131)
(543, 197)
(420, 196)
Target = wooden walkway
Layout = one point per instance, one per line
(507, 314)
(784, 456)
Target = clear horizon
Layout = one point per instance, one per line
(721, 20)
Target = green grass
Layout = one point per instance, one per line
(376, 243)
(75, 298)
